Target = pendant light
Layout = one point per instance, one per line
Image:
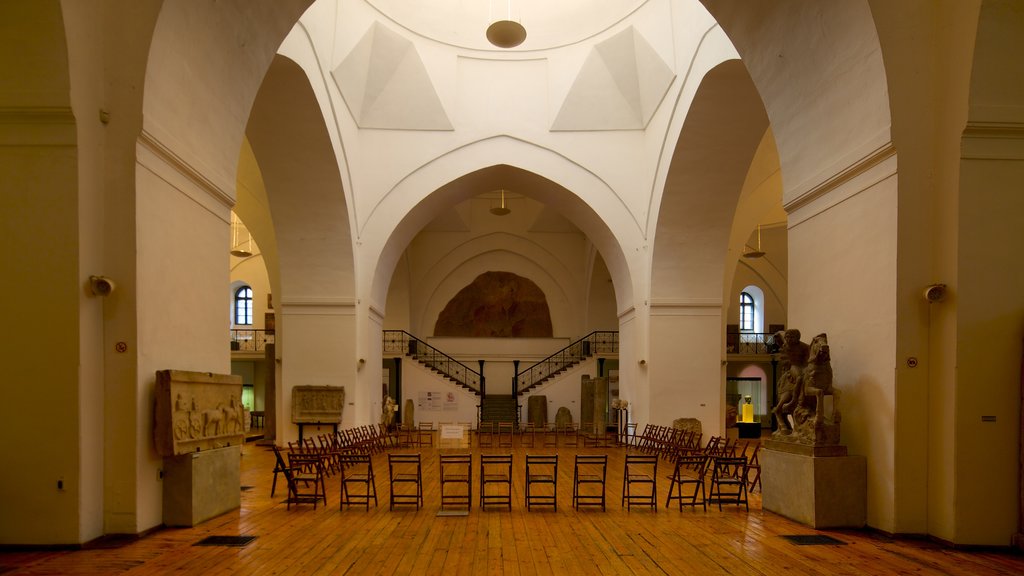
(506, 33)
(501, 210)
(755, 253)
(236, 248)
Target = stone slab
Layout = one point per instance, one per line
(201, 485)
(317, 404)
(537, 410)
(819, 491)
(197, 411)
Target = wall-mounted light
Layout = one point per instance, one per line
(101, 285)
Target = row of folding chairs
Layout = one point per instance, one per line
(666, 441)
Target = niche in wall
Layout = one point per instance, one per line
(497, 305)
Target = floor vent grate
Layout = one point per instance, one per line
(225, 541)
(813, 540)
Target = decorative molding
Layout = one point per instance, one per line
(150, 142)
(686, 307)
(376, 316)
(842, 177)
(992, 141)
(36, 115)
(318, 306)
(37, 126)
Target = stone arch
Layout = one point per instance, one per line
(548, 177)
(306, 198)
(509, 253)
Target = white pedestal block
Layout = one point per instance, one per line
(201, 485)
(820, 491)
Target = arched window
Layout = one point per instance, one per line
(746, 312)
(243, 305)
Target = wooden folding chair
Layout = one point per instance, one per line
(689, 470)
(357, 469)
(457, 469)
(301, 471)
(495, 469)
(541, 469)
(640, 470)
(589, 469)
(728, 481)
(405, 469)
(505, 430)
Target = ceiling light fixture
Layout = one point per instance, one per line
(506, 33)
(755, 253)
(501, 210)
(236, 248)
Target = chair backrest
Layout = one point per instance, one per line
(541, 460)
(725, 466)
(454, 459)
(593, 461)
(352, 458)
(503, 462)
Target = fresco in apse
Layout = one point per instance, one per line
(497, 305)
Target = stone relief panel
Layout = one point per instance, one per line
(321, 404)
(197, 411)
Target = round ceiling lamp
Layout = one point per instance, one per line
(502, 209)
(506, 33)
(755, 253)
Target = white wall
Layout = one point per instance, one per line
(417, 379)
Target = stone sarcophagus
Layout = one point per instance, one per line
(317, 404)
(197, 411)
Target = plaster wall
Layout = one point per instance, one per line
(181, 326)
(686, 369)
(42, 289)
(989, 302)
(563, 390)
(417, 379)
(842, 282)
(312, 349)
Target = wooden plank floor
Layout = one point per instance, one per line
(406, 541)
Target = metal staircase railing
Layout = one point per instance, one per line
(751, 343)
(401, 342)
(597, 342)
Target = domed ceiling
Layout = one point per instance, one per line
(549, 23)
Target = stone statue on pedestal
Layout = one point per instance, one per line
(804, 384)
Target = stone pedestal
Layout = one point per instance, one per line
(820, 491)
(201, 485)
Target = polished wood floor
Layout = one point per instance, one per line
(406, 541)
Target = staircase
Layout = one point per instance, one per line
(499, 408)
(401, 342)
(597, 342)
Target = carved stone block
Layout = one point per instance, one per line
(688, 425)
(318, 404)
(197, 411)
(537, 410)
(563, 417)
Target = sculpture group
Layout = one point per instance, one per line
(804, 383)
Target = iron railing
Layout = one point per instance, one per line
(751, 343)
(250, 340)
(597, 342)
(401, 342)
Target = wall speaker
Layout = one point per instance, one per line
(935, 293)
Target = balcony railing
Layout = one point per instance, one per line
(751, 343)
(401, 342)
(597, 342)
(250, 340)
